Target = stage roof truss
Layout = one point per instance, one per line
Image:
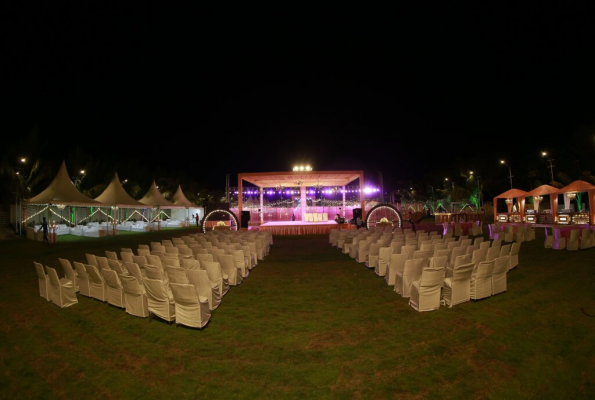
(300, 178)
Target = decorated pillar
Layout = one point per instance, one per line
(521, 201)
(303, 198)
(261, 190)
(591, 206)
(343, 202)
(554, 204)
(240, 201)
(362, 196)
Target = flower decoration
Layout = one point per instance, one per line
(383, 220)
(220, 223)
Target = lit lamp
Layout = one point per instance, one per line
(509, 204)
(536, 200)
(571, 196)
(53, 228)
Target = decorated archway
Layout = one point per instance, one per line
(211, 219)
(380, 211)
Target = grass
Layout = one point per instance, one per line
(309, 322)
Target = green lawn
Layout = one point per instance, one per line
(309, 322)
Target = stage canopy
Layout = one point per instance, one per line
(180, 200)
(63, 191)
(154, 198)
(303, 180)
(115, 195)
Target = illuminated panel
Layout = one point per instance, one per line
(530, 219)
(502, 218)
(563, 219)
(580, 219)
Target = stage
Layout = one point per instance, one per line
(301, 228)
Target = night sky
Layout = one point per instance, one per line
(416, 94)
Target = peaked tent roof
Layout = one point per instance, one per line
(155, 198)
(63, 191)
(577, 186)
(543, 190)
(115, 194)
(180, 200)
(512, 194)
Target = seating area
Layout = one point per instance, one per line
(181, 280)
(433, 270)
(316, 217)
(571, 238)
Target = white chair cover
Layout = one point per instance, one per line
(62, 291)
(204, 287)
(115, 292)
(481, 280)
(97, 283)
(191, 310)
(69, 273)
(135, 299)
(499, 275)
(456, 289)
(425, 292)
(44, 281)
(82, 279)
(159, 301)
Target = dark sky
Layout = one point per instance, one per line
(229, 89)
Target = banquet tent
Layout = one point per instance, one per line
(63, 191)
(512, 194)
(179, 199)
(582, 186)
(115, 195)
(545, 190)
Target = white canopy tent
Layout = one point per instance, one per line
(116, 197)
(179, 199)
(157, 202)
(60, 194)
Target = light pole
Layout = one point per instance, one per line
(509, 171)
(19, 191)
(79, 178)
(551, 167)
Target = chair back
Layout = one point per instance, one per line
(131, 285)
(184, 294)
(463, 272)
(176, 275)
(135, 271)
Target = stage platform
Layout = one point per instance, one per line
(301, 228)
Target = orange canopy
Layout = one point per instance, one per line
(543, 190)
(512, 194)
(577, 186)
